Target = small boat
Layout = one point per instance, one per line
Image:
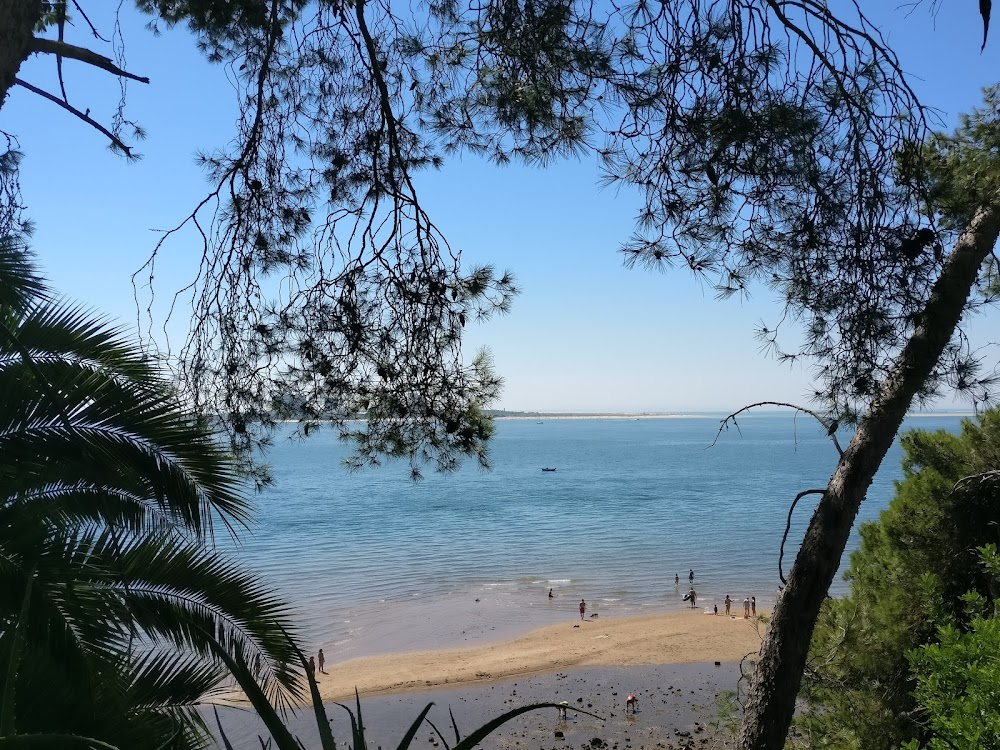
(548, 469)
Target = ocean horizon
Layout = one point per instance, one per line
(372, 562)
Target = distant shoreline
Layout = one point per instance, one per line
(525, 416)
(718, 415)
(584, 415)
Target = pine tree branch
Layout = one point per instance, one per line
(983, 479)
(93, 29)
(59, 58)
(55, 47)
(828, 425)
(85, 116)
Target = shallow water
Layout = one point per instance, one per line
(375, 563)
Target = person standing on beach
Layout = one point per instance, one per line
(746, 608)
(728, 603)
(693, 597)
(753, 606)
(583, 608)
(311, 668)
(322, 662)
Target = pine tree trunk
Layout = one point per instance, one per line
(17, 28)
(776, 679)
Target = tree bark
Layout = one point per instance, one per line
(18, 19)
(778, 674)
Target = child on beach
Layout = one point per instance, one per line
(583, 608)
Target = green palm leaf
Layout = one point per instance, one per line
(109, 492)
(20, 285)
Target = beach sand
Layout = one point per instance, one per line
(674, 638)
(678, 709)
(669, 660)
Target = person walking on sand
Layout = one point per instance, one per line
(753, 606)
(728, 603)
(583, 608)
(322, 662)
(746, 608)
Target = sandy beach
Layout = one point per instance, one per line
(674, 638)
(677, 663)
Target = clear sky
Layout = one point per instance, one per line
(585, 334)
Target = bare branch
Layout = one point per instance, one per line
(93, 29)
(116, 142)
(984, 479)
(829, 426)
(55, 47)
(59, 57)
(788, 528)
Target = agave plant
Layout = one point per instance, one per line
(113, 602)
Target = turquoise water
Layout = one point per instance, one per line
(376, 563)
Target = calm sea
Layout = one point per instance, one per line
(375, 563)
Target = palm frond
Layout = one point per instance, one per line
(108, 495)
(20, 284)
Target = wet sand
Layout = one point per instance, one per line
(678, 708)
(669, 660)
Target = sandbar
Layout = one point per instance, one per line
(671, 638)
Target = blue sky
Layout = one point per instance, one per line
(585, 334)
